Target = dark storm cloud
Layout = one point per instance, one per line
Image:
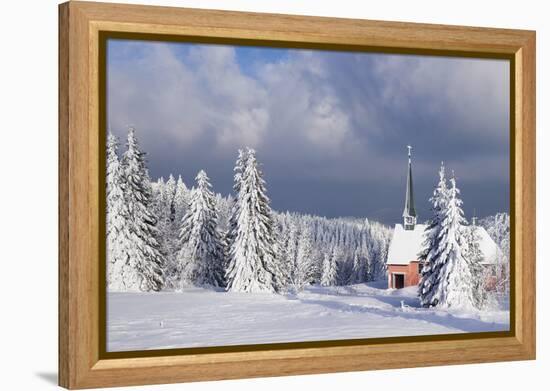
(330, 128)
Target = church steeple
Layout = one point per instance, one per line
(409, 213)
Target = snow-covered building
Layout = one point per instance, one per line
(402, 263)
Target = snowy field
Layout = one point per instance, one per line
(197, 317)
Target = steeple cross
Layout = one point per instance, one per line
(409, 148)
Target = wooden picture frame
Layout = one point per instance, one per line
(82, 363)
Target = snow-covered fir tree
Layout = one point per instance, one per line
(201, 255)
(375, 245)
(330, 271)
(452, 275)
(474, 256)
(145, 257)
(360, 268)
(157, 194)
(251, 238)
(238, 170)
(117, 221)
(430, 256)
(169, 231)
(344, 264)
(460, 283)
(181, 200)
(303, 270)
(286, 255)
(498, 228)
(224, 205)
(169, 195)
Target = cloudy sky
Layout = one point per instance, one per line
(330, 128)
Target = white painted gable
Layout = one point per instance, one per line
(406, 245)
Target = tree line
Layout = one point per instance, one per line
(163, 235)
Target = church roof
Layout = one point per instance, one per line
(406, 244)
(490, 250)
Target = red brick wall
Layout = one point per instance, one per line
(412, 277)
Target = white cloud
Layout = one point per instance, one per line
(473, 93)
(205, 94)
(185, 101)
(331, 115)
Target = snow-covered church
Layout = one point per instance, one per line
(402, 263)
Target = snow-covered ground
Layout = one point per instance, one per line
(198, 317)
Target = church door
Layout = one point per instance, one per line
(398, 281)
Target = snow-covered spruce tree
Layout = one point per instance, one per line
(201, 254)
(146, 258)
(117, 222)
(169, 231)
(240, 166)
(168, 198)
(474, 256)
(304, 266)
(181, 200)
(454, 287)
(234, 212)
(330, 269)
(344, 266)
(224, 205)
(377, 243)
(251, 233)
(360, 269)
(157, 196)
(460, 283)
(280, 276)
(182, 197)
(498, 228)
(339, 262)
(430, 255)
(286, 255)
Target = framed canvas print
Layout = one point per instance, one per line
(248, 195)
